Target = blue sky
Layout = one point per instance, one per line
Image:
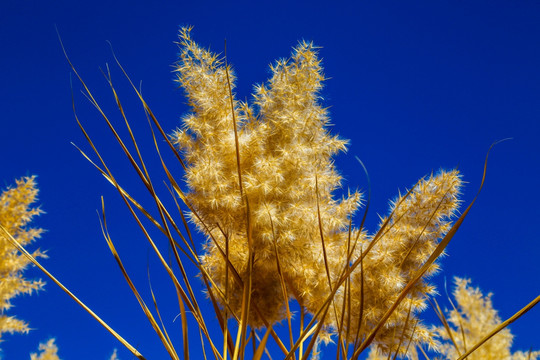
(416, 86)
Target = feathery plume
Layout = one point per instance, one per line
(114, 355)
(48, 351)
(473, 318)
(286, 169)
(16, 212)
(391, 259)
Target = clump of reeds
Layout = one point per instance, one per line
(261, 185)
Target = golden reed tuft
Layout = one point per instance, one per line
(16, 212)
(299, 231)
(48, 351)
(473, 318)
(285, 157)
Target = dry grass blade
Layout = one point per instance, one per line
(442, 318)
(184, 222)
(314, 337)
(183, 315)
(19, 247)
(357, 340)
(325, 256)
(164, 339)
(255, 337)
(302, 317)
(262, 346)
(185, 338)
(144, 177)
(504, 324)
(202, 344)
(226, 333)
(424, 353)
(345, 308)
(402, 337)
(282, 282)
(411, 337)
(242, 329)
(221, 319)
(309, 330)
(321, 233)
(460, 319)
(368, 202)
(246, 297)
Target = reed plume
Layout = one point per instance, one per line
(47, 351)
(16, 212)
(261, 182)
(470, 320)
